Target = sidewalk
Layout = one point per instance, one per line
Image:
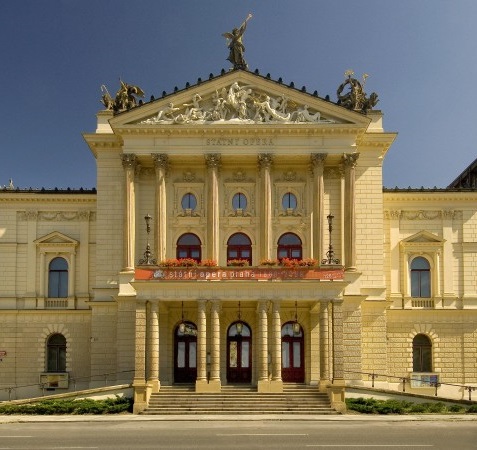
(225, 418)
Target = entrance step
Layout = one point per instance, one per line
(235, 399)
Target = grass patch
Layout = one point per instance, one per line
(391, 406)
(87, 406)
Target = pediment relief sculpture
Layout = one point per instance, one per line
(238, 103)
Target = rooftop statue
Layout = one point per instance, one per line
(125, 97)
(236, 46)
(355, 99)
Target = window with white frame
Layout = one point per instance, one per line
(58, 278)
(421, 265)
(420, 277)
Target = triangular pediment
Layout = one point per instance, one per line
(56, 238)
(239, 98)
(423, 237)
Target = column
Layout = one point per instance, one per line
(71, 280)
(448, 293)
(129, 165)
(263, 383)
(139, 381)
(324, 346)
(212, 161)
(152, 343)
(394, 239)
(318, 164)
(349, 163)
(277, 382)
(214, 381)
(201, 381)
(265, 161)
(337, 388)
(161, 162)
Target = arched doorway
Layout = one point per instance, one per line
(239, 353)
(185, 353)
(293, 363)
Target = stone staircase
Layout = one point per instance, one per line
(233, 400)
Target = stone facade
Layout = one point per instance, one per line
(267, 174)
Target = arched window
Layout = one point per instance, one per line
(289, 246)
(420, 277)
(239, 202)
(188, 246)
(58, 278)
(239, 246)
(421, 354)
(56, 353)
(189, 202)
(289, 201)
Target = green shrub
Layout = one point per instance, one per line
(87, 406)
(472, 409)
(391, 406)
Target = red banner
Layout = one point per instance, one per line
(236, 274)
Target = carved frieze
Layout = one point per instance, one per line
(237, 104)
(57, 216)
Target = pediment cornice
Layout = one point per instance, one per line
(238, 98)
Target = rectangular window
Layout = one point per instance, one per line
(245, 354)
(285, 355)
(233, 354)
(192, 354)
(181, 355)
(296, 354)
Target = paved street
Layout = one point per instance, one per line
(248, 434)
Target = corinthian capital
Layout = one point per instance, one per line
(318, 159)
(212, 160)
(161, 160)
(265, 160)
(129, 160)
(350, 159)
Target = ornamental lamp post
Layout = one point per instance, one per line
(147, 260)
(330, 254)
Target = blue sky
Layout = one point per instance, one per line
(420, 54)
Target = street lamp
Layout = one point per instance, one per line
(147, 260)
(330, 254)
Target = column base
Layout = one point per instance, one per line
(204, 386)
(276, 386)
(155, 385)
(336, 394)
(263, 386)
(323, 385)
(140, 396)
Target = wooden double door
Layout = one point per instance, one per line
(185, 353)
(293, 363)
(239, 353)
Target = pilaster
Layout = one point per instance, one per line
(161, 164)
(349, 163)
(318, 163)
(129, 164)
(265, 161)
(212, 161)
